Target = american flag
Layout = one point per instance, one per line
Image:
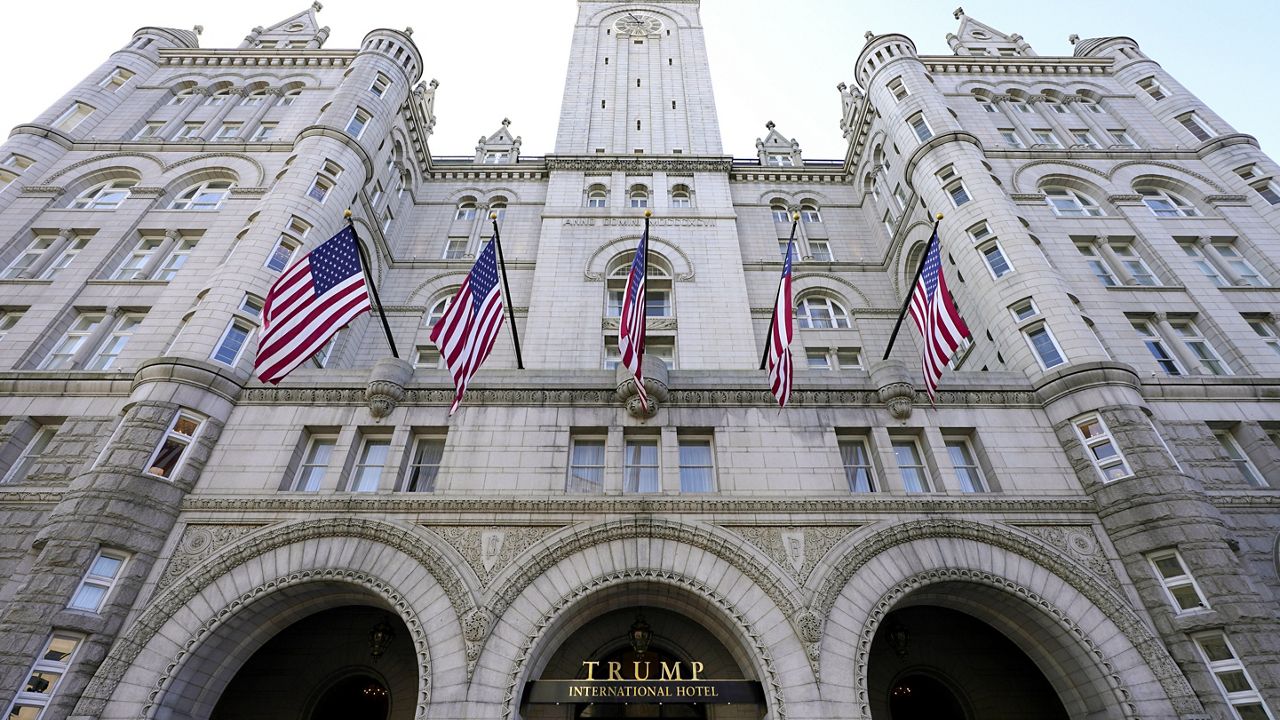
(780, 368)
(631, 326)
(468, 329)
(936, 317)
(314, 299)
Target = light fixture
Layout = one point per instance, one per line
(898, 637)
(640, 635)
(380, 637)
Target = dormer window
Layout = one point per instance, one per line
(779, 160)
(497, 157)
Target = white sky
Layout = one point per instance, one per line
(770, 60)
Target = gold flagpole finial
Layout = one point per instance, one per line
(347, 213)
(795, 217)
(939, 216)
(648, 213)
(493, 216)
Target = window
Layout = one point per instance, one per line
(1011, 138)
(29, 259)
(996, 260)
(1263, 327)
(1044, 346)
(1024, 310)
(1153, 88)
(42, 682)
(1134, 263)
(427, 356)
(1101, 448)
(359, 121)
(255, 98)
(98, 581)
(496, 158)
(820, 251)
(857, 465)
(149, 130)
(10, 318)
(456, 248)
(819, 312)
(780, 213)
(289, 98)
(31, 452)
(320, 358)
(1232, 678)
(586, 465)
(106, 196)
(6, 179)
(640, 467)
(639, 197)
(251, 305)
(920, 126)
(233, 341)
(818, 359)
(597, 197)
(1090, 105)
(900, 197)
(134, 264)
(380, 84)
(114, 344)
(810, 214)
(1045, 137)
(168, 457)
(1120, 138)
(264, 132)
(1100, 269)
(1070, 203)
(182, 95)
(834, 358)
(915, 478)
(282, 253)
(1155, 345)
(1243, 464)
(69, 253)
(188, 131)
(424, 464)
(315, 462)
(697, 469)
(967, 470)
(1199, 347)
(985, 104)
(898, 89)
(207, 195)
(466, 210)
(73, 116)
(1243, 270)
(680, 197)
(324, 181)
(370, 461)
(228, 131)
(1203, 264)
(1019, 106)
(1083, 137)
(658, 292)
(779, 159)
(218, 98)
(662, 347)
(177, 258)
(1268, 190)
(1196, 126)
(953, 186)
(1179, 586)
(1165, 204)
(63, 354)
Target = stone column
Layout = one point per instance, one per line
(171, 238)
(188, 107)
(1176, 346)
(234, 96)
(47, 258)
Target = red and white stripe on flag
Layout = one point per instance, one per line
(631, 326)
(315, 297)
(466, 333)
(936, 317)
(780, 367)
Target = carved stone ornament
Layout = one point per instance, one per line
(655, 385)
(894, 388)
(197, 543)
(386, 385)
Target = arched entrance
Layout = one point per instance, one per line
(934, 663)
(354, 661)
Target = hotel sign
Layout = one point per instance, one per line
(648, 683)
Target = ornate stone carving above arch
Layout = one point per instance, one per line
(103, 161)
(1209, 182)
(681, 266)
(826, 280)
(434, 284)
(1018, 186)
(260, 172)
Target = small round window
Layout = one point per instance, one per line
(294, 27)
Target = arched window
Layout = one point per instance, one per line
(106, 196)
(809, 213)
(257, 97)
(597, 196)
(182, 96)
(498, 206)
(1018, 105)
(1165, 204)
(289, 98)
(657, 282)
(207, 195)
(218, 98)
(680, 197)
(984, 103)
(1089, 105)
(1066, 202)
(438, 309)
(639, 196)
(466, 210)
(820, 312)
(779, 211)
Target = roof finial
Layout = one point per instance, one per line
(958, 13)
(769, 125)
(199, 29)
(506, 122)
(869, 35)
(408, 31)
(1073, 38)
(317, 6)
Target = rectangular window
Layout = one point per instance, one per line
(898, 89)
(996, 260)
(64, 258)
(586, 465)
(282, 253)
(229, 131)
(820, 250)
(915, 478)
(1045, 347)
(1196, 126)
(958, 193)
(42, 682)
(1101, 448)
(98, 581)
(116, 79)
(1200, 347)
(1263, 327)
(817, 359)
(424, 464)
(1120, 138)
(1232, 678)
(1011, 138)
(109, 351)
(1153, 88)
(320, 187)
(1268, 190)
(63, 354)
(1024, 310)
(966, 465)
(1046, 137)
(1083, 137)
(1243, 464)
(149, 130)
(1203, 264)
(427, 356)
(233, 341)
(320, 358)
(265, 131)
(188, 131)
(176, 259)
(380, 85)
(359, 121)
(899, 197)
(1243, 269)
(1097, 265)
(1134, 263)
(1155, 345)
(30, 453)
(456, 249)
(9, 318)
(133, 265)
(366, 476)
(315, 462)
(640, 467)
(1179, 586)
(167, 459)
(858, 470)
(920, 126)
(697, 468)
(73, 116)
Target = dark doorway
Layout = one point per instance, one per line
(359, 697)
(920, 697)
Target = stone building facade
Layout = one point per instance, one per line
(1085, 526)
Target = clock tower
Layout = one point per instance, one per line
(638, 81)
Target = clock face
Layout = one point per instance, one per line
(637, 24)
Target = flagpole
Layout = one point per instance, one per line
(912, 287)
(773, 317)
(515, 333)
(373, 289)
(644, 312)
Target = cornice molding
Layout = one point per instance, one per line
(290, 57)
(640, 163)
(988, 65)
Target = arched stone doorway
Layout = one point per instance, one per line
(354, 661)
(933, 663)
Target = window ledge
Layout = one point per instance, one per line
(129, 283)
(1146, 288)
(26, 281)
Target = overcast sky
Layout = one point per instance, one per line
(770, 59)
